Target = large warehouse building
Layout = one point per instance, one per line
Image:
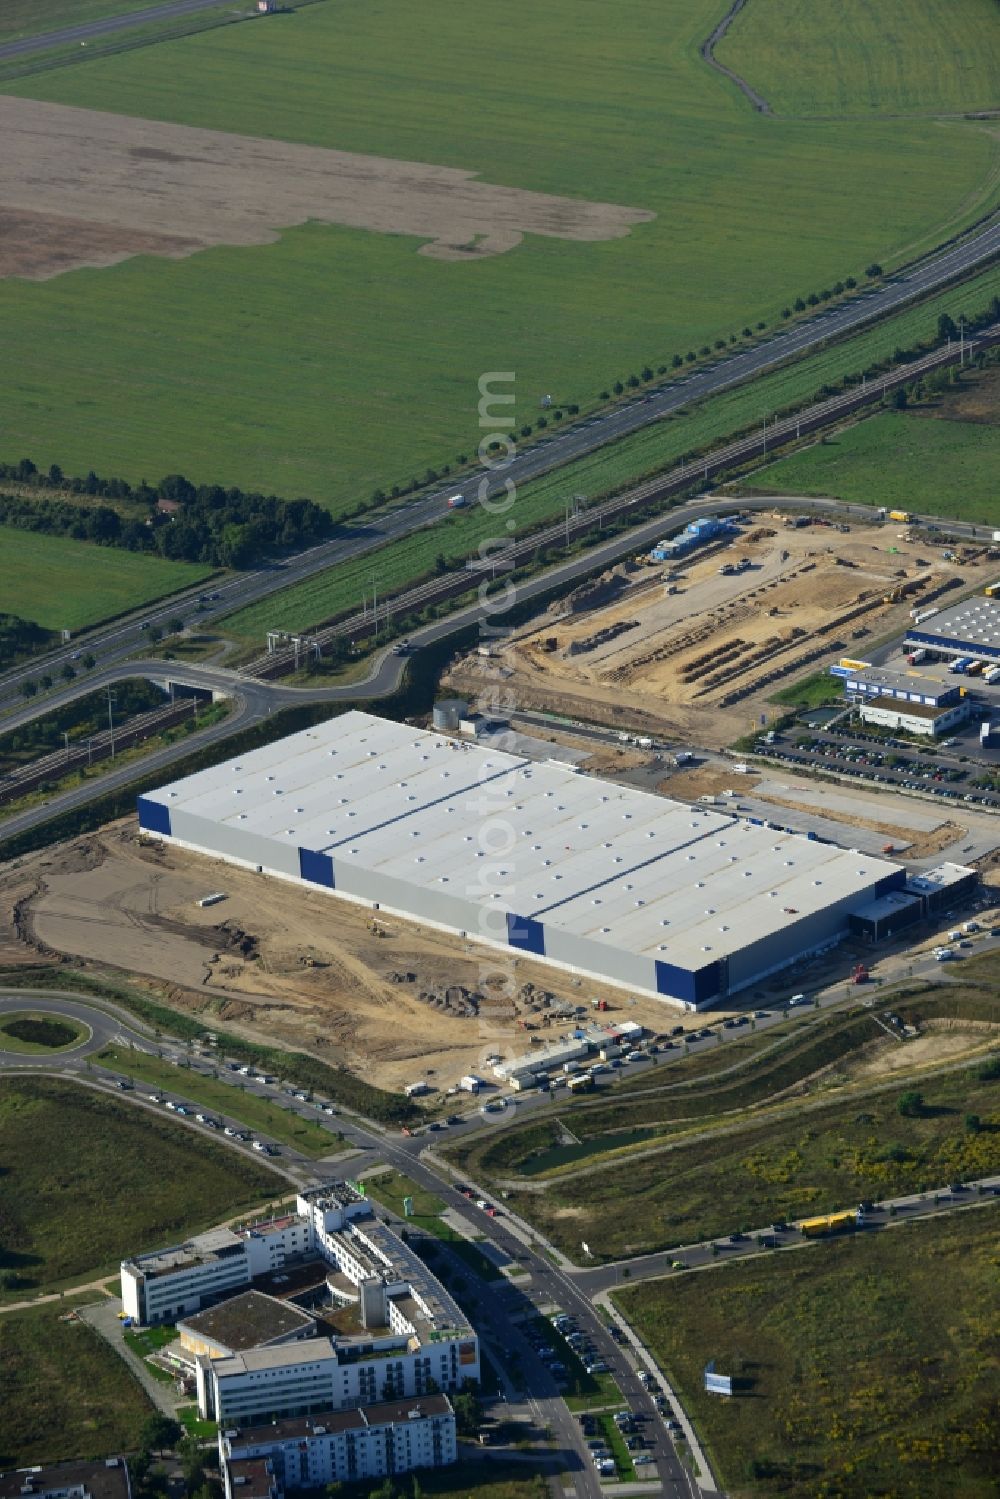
(971, 628)
(679, 902)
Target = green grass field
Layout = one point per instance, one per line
(904, 460)
(865, 1366)
(336, 360)
(68, 585)
(67, 1394)
(896, 57)
(89, 1179)
(625, 462)
(257, 1113)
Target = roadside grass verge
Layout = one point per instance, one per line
(67, 1394)
(335, 1083)
(624, 1467)
(674, 1101)
(581, 1391)
(234, 1101)
(40, 795)
(390, 1190)
(69, 1152)
(862, 1365)
(719, 1165)
(610, 469)
(742, 1174)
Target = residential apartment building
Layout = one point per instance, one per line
(338, 1446)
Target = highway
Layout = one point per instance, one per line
(352, 539)
(91, 30)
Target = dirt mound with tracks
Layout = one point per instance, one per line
(390, 999)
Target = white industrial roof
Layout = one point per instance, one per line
(909, 681)
(975, 621)
(939, 878)
(628, 868)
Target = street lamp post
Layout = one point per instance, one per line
(112, 697)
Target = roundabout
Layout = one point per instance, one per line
(41, 1033)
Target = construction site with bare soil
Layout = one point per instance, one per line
(391, 1000)
(695, 648)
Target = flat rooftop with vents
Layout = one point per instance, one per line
(971, 628)
(105, 1479)
(681, 902)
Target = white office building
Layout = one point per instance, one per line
(171, 1283)
(410, 1338)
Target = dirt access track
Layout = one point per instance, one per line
(391, 1000)
(82, 187)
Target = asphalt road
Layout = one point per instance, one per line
(254, 699)
(67, 35)
(503, 1314)
(124, 638)
(500, 1312)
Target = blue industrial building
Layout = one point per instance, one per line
(697, 533)
(619, 885)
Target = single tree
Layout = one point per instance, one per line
(911, 1104)
(159, 1433)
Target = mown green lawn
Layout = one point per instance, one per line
(895, 56)
(864, 1366)
(66, 1393)
(88, 1179)
(904, 460)
(811, 692)
(38, 1032)
(337, 360)
(67, 585)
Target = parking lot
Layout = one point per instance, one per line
(897, 763)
